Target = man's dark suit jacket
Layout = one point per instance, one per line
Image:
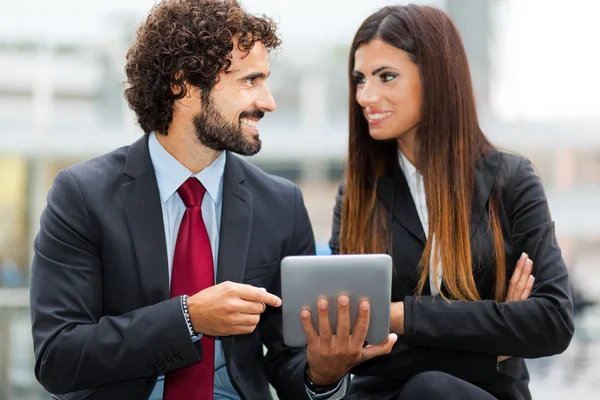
(103, 323)
(464, 339)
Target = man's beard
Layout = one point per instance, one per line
(214, 132)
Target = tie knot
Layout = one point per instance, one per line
(191, 192)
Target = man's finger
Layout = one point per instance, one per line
(359, 333)
(251, 307)
(258, 295)
(343, 319)
(309, 329)
(528, 288)
(247, 320)
(377, 350)
(324, 324)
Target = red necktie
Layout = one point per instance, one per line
(192, 272)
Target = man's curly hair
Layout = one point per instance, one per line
(186, 41)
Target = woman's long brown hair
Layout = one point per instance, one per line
(448, 142)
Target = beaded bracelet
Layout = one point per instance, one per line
(186, 314)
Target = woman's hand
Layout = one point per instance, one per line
(330, 356)
(520, 285)
(397, 317)
(519, 288)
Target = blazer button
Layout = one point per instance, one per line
(160, 365)
(177, 359)
(151, 368)
(169, 362)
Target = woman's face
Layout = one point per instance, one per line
(388, 88)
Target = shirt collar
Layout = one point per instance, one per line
(409, 170)
(170, 173)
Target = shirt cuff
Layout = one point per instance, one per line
(338, 393)
(194, 338)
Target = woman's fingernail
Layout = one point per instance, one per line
(528, 264)
(531, 278)
(523, 256)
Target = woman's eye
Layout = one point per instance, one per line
(359, 80)
(387, 77)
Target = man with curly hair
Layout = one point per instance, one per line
(156, 268)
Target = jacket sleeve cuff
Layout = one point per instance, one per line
(338, 393)
(409, 319)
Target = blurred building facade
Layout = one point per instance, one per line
(61, 102)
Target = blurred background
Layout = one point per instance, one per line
(537, 83)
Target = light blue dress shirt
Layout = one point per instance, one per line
(170, 175)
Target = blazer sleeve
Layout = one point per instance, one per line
(406, 360)
(539, 326)
(77, 348)
(283, 365)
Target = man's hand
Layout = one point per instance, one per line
(329, 356)
(520, 284)
(229, 308)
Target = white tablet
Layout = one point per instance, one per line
(306, 279)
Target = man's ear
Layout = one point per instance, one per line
(190, 92)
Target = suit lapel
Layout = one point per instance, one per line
(236, 223)
(394, 193)
(143, 211)
(486, 170)
(234, 236)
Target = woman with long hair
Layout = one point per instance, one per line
(468, 226)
